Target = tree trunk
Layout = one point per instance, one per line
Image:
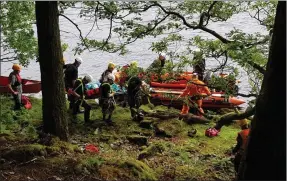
(50, 54)
(265, 156)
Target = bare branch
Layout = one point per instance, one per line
(77, 26)
(222, 65)
(110, 32)
(221, 38)
(8, 59)
(208, 12)
(95, 21)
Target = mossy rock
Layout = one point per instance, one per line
(137, 139)
(24, 152)
(89, 164)
(139, 169)
(65, 146)
(146, 123)
(169, 128)
(152, 150)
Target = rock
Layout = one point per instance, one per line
(161, 132)
(3, 140)
(142, 148)
(151, 151)
(136, 139)
(146, 124)
(105, 138)
(79, 168)
(2, 160)
(113, 146)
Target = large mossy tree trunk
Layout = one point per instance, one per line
(50, 54)
(265, 157)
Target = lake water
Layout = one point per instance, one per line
(96, 62)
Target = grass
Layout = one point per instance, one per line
(175, 156)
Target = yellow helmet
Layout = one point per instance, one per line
(242, 122)
(134, 64)
(16, 67)
(111, 65)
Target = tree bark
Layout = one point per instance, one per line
(265, 157)
(50, 54)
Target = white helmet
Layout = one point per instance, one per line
(89, 78)
(79, 60)
(163, 54)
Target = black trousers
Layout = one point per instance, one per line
(134, 101)
(17, 100)
(237, 160)
(86, 106)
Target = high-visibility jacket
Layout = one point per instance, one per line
(197, 87)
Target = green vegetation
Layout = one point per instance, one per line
(171, 156)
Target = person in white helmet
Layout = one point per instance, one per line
(77, 94)
(157, 66)
(71, 75)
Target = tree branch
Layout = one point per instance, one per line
(208, 12)
(247, 95)
(110, 32)
(256, 66)
(221, 38)
(77, 26)
(222, 65)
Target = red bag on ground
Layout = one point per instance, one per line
(26, 102)
(91, 148)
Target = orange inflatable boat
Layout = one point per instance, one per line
(216, 100)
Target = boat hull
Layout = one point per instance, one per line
(29, 86)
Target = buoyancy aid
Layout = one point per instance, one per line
(81, 84)
(244, 135)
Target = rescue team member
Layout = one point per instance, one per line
(157, 66)
(71, 75)
(135, 84)
(240, 147)
(107, 73)
(77, 95)
(15, 86)
(106, 100)
(71, 72)
(199, 66)
(195, 90)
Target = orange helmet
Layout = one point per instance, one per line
(16, 67)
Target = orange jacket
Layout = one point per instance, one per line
(197, 87)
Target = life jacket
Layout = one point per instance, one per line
(244, 135)
(101, 87)
(81, 84)
(201, 87)
(18, 78)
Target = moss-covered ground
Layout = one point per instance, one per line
(128, 150)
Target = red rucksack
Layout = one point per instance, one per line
(26, 102)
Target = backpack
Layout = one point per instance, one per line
(26, 102)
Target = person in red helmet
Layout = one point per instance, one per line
(15, 85)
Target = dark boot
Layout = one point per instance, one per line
(87, 116)
(109, 120)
